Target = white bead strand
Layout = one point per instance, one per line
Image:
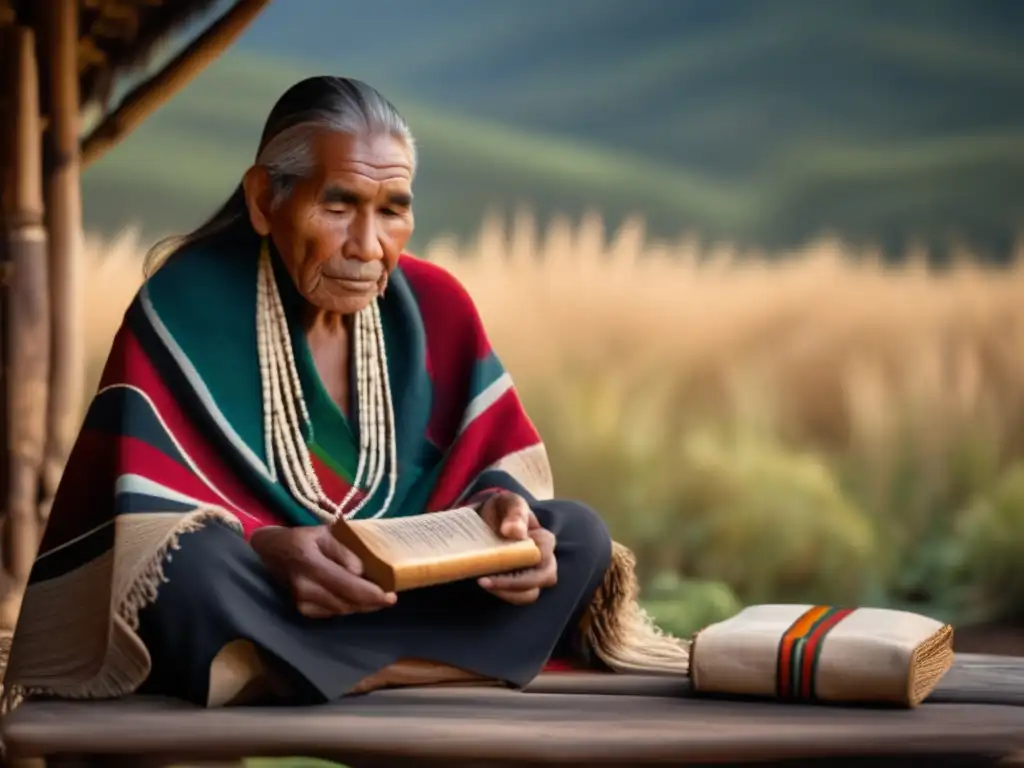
(285, 413)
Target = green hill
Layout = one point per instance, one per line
(761, 122)
(187, 158)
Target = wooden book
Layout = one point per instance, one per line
(401, 553)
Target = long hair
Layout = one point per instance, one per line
(317, 103)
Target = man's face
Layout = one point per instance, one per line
(340, 232)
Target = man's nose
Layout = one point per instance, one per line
(363, 242)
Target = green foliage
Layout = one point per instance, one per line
(736, 516)
(992, 533)
(728, 505)
(770, 522)
(917, 484)
(684, 606)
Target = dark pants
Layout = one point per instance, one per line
(218, 591)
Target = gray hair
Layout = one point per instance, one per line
(334, 104)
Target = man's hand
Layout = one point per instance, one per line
(510, 517)
(324, 576)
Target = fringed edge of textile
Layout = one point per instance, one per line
(143, 590)
(111, 681)
(621, 634)
(5, 654)
(10, 696)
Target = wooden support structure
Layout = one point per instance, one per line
(64, 229)
(41, 159)
(25, 308)
(144, 99)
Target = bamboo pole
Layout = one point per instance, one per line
(24, 304)
(59, 22)
(150, 95)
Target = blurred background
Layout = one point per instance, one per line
(754, 266)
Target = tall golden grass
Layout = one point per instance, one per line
(814, 425)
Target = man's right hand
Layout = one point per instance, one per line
(324, 576)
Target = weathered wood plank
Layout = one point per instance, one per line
(517, 727)
(872, 761)
(489, 724)
(983, 679)
(604, 719)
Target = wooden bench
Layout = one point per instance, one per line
(975, 717)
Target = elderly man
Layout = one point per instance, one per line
(285, 364)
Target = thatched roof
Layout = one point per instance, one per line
(116, 36)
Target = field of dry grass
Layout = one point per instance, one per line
(815, 426)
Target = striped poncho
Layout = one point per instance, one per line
(174, 437)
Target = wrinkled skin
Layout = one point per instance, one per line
(341, 231)
(340, 234)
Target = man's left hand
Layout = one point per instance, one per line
(510, 517)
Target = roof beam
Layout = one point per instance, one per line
(150, 95)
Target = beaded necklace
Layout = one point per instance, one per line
(285, 415)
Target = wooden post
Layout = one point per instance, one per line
(64, 227)
(25, 320)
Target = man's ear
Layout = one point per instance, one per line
(256, 184)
